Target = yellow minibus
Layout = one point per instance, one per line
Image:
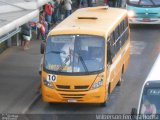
(85, 56)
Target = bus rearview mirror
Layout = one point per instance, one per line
(133, 113)
(42, 48)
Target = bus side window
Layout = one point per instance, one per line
(109, 54)
(112, 45)
(119, 39)
(123, 33)
(110, 48)
(116, 43)
(126, 27)
(121, 29)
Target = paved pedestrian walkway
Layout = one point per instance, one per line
(19, 77)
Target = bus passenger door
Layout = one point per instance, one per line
(109, 63)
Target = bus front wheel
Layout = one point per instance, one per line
(103, 104)
(120, 81)
(121, 78)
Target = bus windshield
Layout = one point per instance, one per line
(150, 104)
(141, 3)
(74, 53)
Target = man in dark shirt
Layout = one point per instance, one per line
(89, 2)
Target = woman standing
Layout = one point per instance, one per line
(26, 34)
(68, 7)
(105, 2)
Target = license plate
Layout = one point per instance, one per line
(146, 20)
(72, 100)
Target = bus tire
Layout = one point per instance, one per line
(121, 78)
(120, 81)
(103, 104)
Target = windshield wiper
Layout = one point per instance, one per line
(83, 63)
(64, 63)
(56, 52)
(153, 3)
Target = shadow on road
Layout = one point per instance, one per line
(145, 26)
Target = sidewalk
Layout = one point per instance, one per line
(19, 77)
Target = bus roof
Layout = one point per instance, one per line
(95, 20)
(154, 74)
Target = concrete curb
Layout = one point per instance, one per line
(31, 103)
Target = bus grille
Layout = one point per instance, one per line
(149, 15)
(81, 87)
(73, 96)
(63, 86)
(67, 87)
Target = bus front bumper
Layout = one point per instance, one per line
(92, 96)
(144, 20)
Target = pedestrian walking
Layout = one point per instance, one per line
(68, 7)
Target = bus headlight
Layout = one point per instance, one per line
(131, 13)
(97, 84)
(48, 84)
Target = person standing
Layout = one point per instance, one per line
(82, 3)
(42, 27)
(78, 3)
(89, 2)
(110, 3)
(53, 9)
(114, 3)
(48, 15)
(68, 7)
(106, 2)
(118, 3)
(56, 11)
(26, 35)
(61, 9)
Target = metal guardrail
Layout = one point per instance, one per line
(9, 35)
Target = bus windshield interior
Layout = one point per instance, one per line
(150, 104)
(74, 53)
(145, 3)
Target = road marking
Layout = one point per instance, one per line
(37, 96)
(137, 47)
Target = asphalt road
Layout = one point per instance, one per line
(19, 80)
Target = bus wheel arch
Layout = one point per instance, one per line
(104, 104)
(121, 77)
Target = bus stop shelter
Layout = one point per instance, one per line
(13, 14)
